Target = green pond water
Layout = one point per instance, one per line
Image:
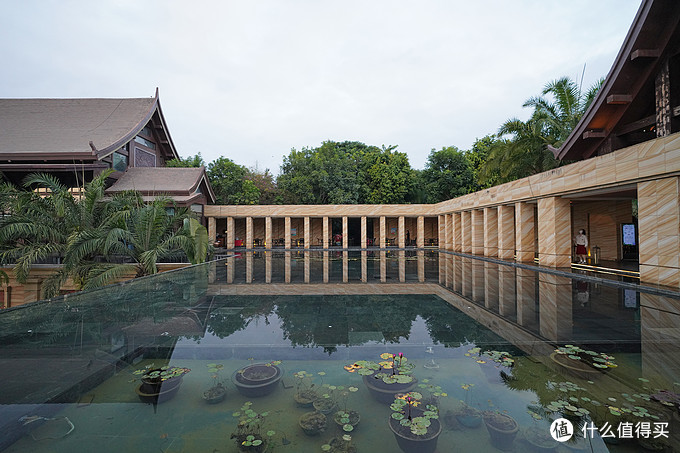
(478, 334)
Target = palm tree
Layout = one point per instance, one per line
(133, 241)
(527, 152)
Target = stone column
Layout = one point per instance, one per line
(402, 266)
(421, 266)
(448, 233)
(383, 232)
(345, 266)
(490, 232)
(457, 273)
(457, 244)
(401, 233)
(212, 230)
(420, 234)
(491, 286)
(249, 233)
(268, 266)
(525, 238)
(325, 266)
(308, 233)
(478, 286)
(268, 232)
(466, 230)
(526, 297)
(506, 232)
(287, 269)
(249, 267)
(231, 264)
(286, 233)
(477, 232)
(364, 266)
(364, 233)
(441, 223)
(345, 232)
(230, 233)
(307, 266)
(506, 291)
(554, 232)
(326, 233)
(466, 277)
(658, 218)
(383, 267)
(555, 310)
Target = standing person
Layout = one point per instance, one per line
(581, 242)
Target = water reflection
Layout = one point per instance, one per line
(455, 312)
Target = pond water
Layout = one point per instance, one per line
(472, 337)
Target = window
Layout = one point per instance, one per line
(197, 208)
(120, 161)
(145, 142)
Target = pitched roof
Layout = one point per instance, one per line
(180, 183)
(629, 86)
(87, 129)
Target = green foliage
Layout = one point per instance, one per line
(191, 161)
(448, 174)
(229, 184)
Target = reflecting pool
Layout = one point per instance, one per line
(259, 345)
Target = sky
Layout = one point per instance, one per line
(250, 80)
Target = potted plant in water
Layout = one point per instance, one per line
(340, 445)
(582, 362)
(313, 423)
(326, 401)
(347, 419)
(305, 389)
(387, 378)
(502, 429)
(159, 384)
(258, 379)
(415, 423)
(217, 391)
(467, 415)
(250, 434)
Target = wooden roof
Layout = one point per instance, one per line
(182, 184)
(76, 129)
(623, 103)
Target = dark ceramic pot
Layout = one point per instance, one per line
(383, 392)
(159, 393)
(502, 429)
(257, 380)
(410, 443)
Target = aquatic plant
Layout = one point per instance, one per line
(594, 359)
(501, 357)
(305, 389)
(403, 410)
(162, 374)
(394, 369)
(250, 429)
(217, 391)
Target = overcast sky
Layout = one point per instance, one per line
(251, 79)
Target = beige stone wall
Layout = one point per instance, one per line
(602, 220)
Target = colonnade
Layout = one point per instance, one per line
(510, 231)
(317, 231)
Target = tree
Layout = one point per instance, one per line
(265, 184)
(191, 161)
(227, 180)
(448, 174)
(385, 176)
(526, 152)
(478, 156)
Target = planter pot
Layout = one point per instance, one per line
(383, 392)
(158, 393)
(540, 440)
(305, 399)
(410, 443)
(470, 419)
(338, 445)
(215, 394)
(576, 368)
(313, 423)
(257, 380)
(324, 405)
(354, 419)
(502, 430)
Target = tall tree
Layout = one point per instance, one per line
(385, 176)
(448, 174)
(228, 182)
